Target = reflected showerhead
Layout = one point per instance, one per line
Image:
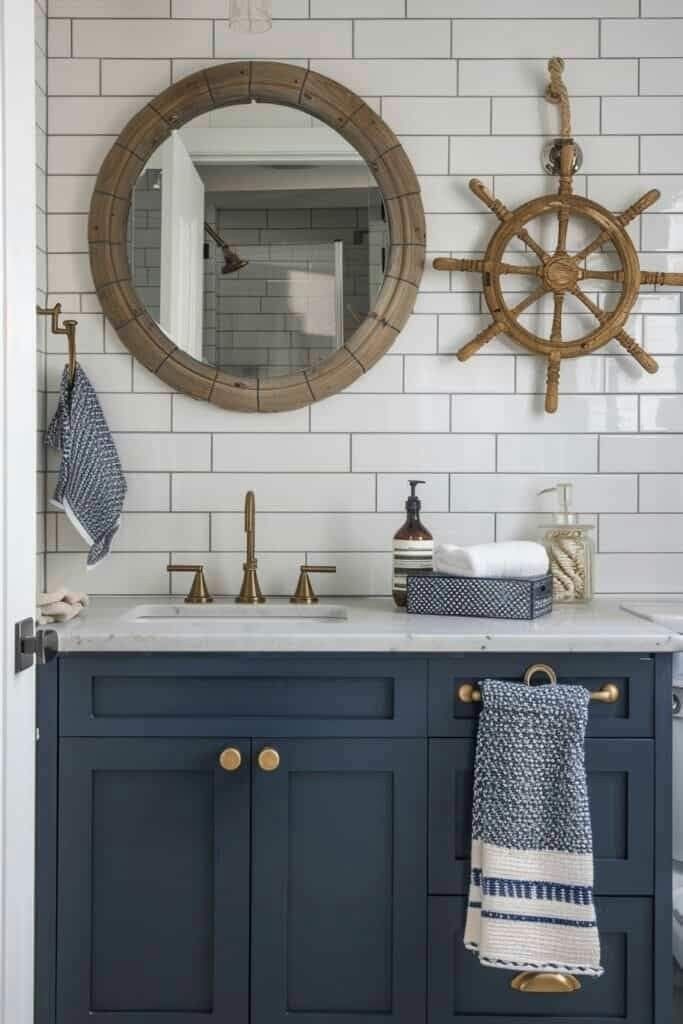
(232, 261)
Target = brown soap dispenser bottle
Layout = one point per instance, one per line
(413, 547)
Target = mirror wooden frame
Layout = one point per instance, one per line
(222, 86)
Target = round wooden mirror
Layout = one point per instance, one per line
(110, 226)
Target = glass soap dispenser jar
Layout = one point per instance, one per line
(570, 550)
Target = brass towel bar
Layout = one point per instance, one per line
(469, 693)
(68, 327)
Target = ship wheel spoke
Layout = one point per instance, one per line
(524, 236)
(530, 300)
(623, 337)
(556, 330)
(516, 268)
(562, 225)
(623, 219)
(501, 211)
(486, 267)
(552, 385)
(659, 277)
(602, 275)
(498, 326)
(599, 314)
(597, 243)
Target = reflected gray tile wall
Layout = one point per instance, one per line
(277, 314)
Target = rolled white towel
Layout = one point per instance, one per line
(513, 559)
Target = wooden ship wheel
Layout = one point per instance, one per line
(560, 272)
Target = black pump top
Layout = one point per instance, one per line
(413, 504)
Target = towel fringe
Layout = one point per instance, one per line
(521, 965)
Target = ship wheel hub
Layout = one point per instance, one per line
(561, 274)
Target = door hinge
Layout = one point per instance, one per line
(32, 644)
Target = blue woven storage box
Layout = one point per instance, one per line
(480, 596)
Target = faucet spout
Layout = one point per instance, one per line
(250, 592)
(250, 524)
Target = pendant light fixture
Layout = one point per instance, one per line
(251, 15)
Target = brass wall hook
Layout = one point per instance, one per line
(68, 327)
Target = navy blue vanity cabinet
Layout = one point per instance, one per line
(323, 877)
(292, 884)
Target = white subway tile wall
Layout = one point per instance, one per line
(463, 93)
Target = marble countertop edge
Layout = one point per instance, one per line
(373, 625)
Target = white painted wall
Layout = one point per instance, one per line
(462, 92)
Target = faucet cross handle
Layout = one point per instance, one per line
(304, 593)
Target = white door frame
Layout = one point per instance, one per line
(17, 503)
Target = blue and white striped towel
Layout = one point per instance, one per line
(531, 888)
(90, 486)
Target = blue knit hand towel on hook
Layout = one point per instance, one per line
(90, 486)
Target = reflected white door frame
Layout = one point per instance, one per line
(339, 292)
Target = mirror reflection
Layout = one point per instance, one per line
(257, 239)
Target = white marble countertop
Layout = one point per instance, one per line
(372, 624)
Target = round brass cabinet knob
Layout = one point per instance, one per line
(269, 760)
(230, 759)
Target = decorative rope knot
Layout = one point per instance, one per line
(556, 92)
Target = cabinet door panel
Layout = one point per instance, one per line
(620, 787)
(461, 991)
(153, 913)
(339, 886)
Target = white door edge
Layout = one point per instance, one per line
(17, 503)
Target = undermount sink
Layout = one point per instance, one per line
(241, 615)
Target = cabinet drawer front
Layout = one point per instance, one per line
(240, 695)
(461, 991)
(631, 715)
(621, 791)
(153, 882)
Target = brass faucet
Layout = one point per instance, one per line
(199, 592)
(250, 592)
